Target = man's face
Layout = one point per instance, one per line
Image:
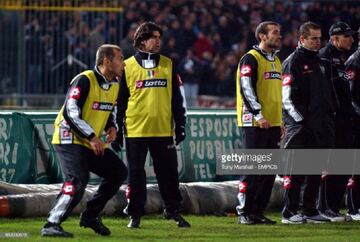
(117, 64)
(313, 41)
(273, 38)
(153, 44)
(343, 42)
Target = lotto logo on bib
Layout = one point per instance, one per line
(272, 75)
(151, 83)
(102, 106)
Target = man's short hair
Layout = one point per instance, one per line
(305, 28)
(262, 28)
(106, 50)
(144, 32)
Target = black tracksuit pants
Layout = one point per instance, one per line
(306, 138)
(333, 187)
(353, 190)
(76, 162)
(255, 190)
(163, 153)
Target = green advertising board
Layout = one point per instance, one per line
(209, 133)
(17, 149)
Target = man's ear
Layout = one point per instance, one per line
(106, 61)
(302, 38)
(261, 36)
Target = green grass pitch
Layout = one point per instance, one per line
(204, 228)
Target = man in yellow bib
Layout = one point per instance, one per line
(150, 104)
(259, 113)
(88, 111)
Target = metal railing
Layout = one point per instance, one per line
(45, 43)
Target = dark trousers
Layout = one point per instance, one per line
(305, 137)
(333, 187)
(353, 192)
(292, 195)
(353, 195)
(163, 153)
(76, 162)
(255, 197)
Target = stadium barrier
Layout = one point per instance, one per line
(27, 155)
(217, 198)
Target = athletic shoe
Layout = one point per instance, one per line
(317, 219)
(294, 219)
(134, 222)
(95, 224)
(334, 216)
(355, 217)
(246, 219)
(180, 221)
(261, 219)
(54, 230)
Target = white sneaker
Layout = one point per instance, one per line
(334, 216)
(316, 219)
(355, 217)
(295, 219)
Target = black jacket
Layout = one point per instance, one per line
(336, 60)
(308, 101)
(353, 74)
(308, 95)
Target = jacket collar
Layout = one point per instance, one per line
(307, 51)
(142, 57)
(268, 56)
(103, 83)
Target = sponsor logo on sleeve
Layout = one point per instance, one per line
(245, 70)
(247, 119)
(151, 83)
(66, 136)
(350, 74)
(286, 80)
(74, 93)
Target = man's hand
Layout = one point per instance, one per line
(97, 145)
(111, 135)
(264, 124)
(179, 134)
(118, 142)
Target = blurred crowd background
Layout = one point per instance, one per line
(43, 47)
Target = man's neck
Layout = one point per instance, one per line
(108, 76)
(265, 48)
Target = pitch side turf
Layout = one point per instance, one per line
(204, 228)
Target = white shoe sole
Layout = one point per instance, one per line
(286, 221)
(355, 218)
(334, 220)
(311, 221)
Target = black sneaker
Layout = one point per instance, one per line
(180, 221)
(134, 222)
(95, 224)
(261, 219)
(246, 219)
(54, 230)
